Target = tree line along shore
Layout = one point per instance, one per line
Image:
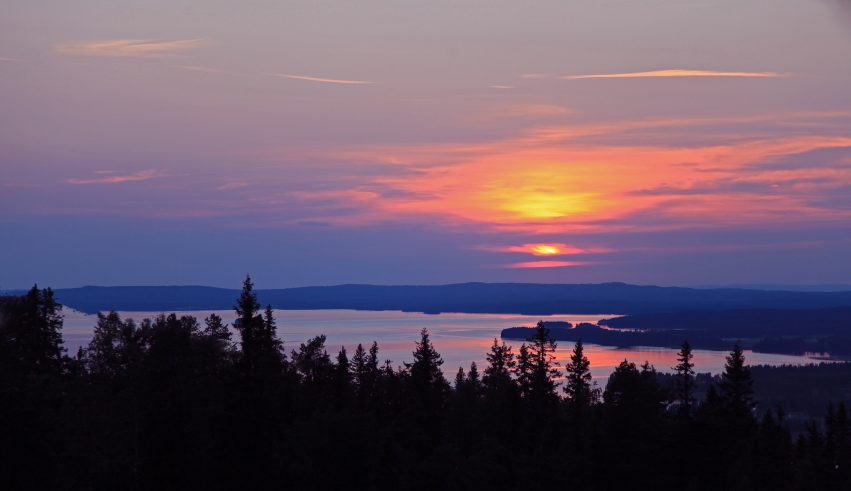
(174, 403)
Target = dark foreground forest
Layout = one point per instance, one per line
(171, 403)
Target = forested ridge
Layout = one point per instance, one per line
(174, 403)
(494, 298)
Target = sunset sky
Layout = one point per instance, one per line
(400, 142)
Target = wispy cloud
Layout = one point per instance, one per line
(199, 68)
(548, 249)
(324, 80)
(232, 185)
(501, 87)
(10, 59)
(129, 47)
(679, 73)
(139, 176)
(543, 264)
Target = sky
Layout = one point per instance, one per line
(399, 142)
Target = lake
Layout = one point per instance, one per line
(459, 338)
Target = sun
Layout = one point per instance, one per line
(545, 250)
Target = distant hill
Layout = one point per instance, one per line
(498, 298)
(788, 288)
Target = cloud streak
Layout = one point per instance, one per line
(547, 249)
(199, 69)
(679, 73)
(139, 176)
(543, 264)
(323, 80)
(144, 48)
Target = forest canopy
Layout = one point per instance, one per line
(174, 402)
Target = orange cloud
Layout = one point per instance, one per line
(556, 180)
(550, 249)
(129, 47)
(543, 264)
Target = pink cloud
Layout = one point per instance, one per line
(139, 176)
(544, 264)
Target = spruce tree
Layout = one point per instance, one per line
(736, 386)
(500, 365)
(523, 370)
(684, 391)
(460, 379)
(426, 376)
(342, 378)
(578, 380)
(543, 364)
(271, 346)
(249, 324)
(357, 366)
(473, 378)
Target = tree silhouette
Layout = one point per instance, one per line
(539, 367)
(427, 378)
(736, 386)
(684, 391)
(30, 332)
(578, 379)
(500, 365)
(249, 325)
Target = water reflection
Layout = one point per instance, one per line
(460, 338)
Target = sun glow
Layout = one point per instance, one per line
(556, 180)
(545, 250)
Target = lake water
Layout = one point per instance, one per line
(459, 338)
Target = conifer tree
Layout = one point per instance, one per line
(473, 379)
(623, 385)
(684, 391)
(736, 386)
(30, 332)
(426, 377)
(578, 380)
(357, 366)
(543, 364)
(342, 378)
(270, 345)
(312, 361)
(500, 365)
(523, 369)
(372, 361)
(460, 379)
(215, 328)
(249, 324)
(500, 359)
(32, 366)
